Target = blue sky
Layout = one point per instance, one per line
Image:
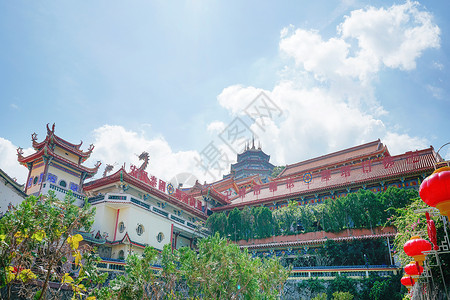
(168, 78)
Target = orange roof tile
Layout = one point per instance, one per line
(403, 164)
(357, 152)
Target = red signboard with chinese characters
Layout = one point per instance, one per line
(161, 185)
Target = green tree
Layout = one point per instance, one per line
(342, 296)
(247, 223)
(233, 229)
(342, 284)
(307, 218)
(394, 198)
(220, 270)
(321, 296)
(265, 226)
(140, 281)
(217, 222)
(38, 240)
(336, 213)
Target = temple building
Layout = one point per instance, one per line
(135, 209)
(56, 165)
(253, 161)
(368, 166)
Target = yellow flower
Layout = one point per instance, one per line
(74, 241)
(77, 256)
(26, 275)
(38, 235)
(19, 237)
(66, 279)
(10, 273)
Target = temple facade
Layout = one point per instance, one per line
(369, 166)
(135, 209)
(56, 165)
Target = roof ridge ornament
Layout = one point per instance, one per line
(108, 168)
(52, 131)
(145, 157)
(20, 152)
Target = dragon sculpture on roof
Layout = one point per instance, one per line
(108, 169)
(145, 157)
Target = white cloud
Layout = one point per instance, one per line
(401, 143)
(437, 92)
(216, 127)
(395, 37)
(115, 144)
(322, 58)
(9, 163)
(236, 98)
(328, 99)
(438, 66)
(313, 122)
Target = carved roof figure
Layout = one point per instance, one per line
(145, 157)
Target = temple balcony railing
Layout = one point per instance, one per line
(330, 272)
(325, 272)
(61, 192)
(128, 199)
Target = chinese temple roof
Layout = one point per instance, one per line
(302, 243)
(215, 189)
(123, 176)
(126, 240)
(236, 184)
(45, 150)
(358, 174)
(53, 139)
(371, 149)
(13, 183)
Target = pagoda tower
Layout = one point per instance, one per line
(56, 165)
(253, 161)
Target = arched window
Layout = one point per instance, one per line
(121, 254)
(160, 237)
(140, 229)
(121, 227)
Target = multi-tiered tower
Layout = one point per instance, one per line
(56, 165)
(253, 161)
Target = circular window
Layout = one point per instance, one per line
(62, 183)
(160, 237)
(121, 227)
(35, 180)
(140, 229)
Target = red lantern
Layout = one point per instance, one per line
(408, 281)
(413, 269)
(414, 248)
(435, 190)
